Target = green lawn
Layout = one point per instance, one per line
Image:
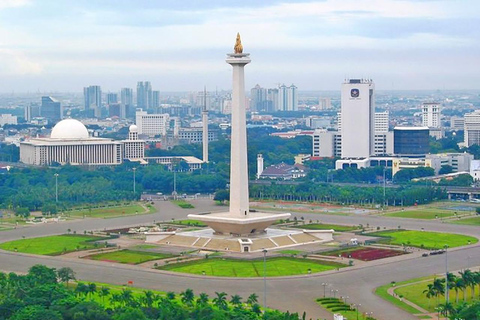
(188, 222)
(129, 256)
(321, 226)
(290, 251)
(109, 212)
(332, 305)
(52, 245)
(423, 213)
(243, 268)
(414, 293)
(382, 292)
(183, 204)
(429, 240)
(469, 221)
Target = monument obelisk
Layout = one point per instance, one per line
(239, 205)
(239, 221)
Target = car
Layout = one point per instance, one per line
(425, 254)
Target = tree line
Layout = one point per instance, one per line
(45, 294)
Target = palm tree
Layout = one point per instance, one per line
(202, 299)
(468, 279)
(236, 300)
(148, 298)
(458, 285)
(92, 288)
(476, 277)
(446, 309)
(252, 299)
(221, 300)
(429, 292)
(126, 297)
(104, 292)
(256, 308)
(81, 289)
(170, 295)
(188, 297)
(439, 287)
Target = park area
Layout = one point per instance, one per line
(422, 213)
(469, 221)
(128, 256)
(365, 253)
(423, 239)
(322, 226)
(275, 267)
(52, 245)
(110, 211)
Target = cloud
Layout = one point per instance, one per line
(15, 62)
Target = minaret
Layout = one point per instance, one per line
(239, 205)
(205, 126)
(259, 165)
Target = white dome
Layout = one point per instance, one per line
(69, 129)
(133, 128)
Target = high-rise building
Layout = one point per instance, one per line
(51, 109)
(357, 118)
(144, 95)
(155, 99)
(272, 100)
(112, 98)
(287, 98)
(93, 100)
(126, 102)
(381, 121)
(152, 124)
(258, 99)
(411, 141)
(472, 128)
(431, 115)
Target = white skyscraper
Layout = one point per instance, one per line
(357, 113)
(152, 124)
(472, 128)
(287, 98)
(431, 115)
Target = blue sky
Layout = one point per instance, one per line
(64, 45)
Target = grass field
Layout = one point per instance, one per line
(321, 226)
(52, 245)
(241, 268)
(108, 212)
(422, 213)
(382, 292)
(291, 251)
(129, 256)
(424, 239)
(188, 222)
(183, 204)
(469, 221)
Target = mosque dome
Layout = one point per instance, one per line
(69, 129)
(133, 128)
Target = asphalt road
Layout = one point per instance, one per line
(286, 293)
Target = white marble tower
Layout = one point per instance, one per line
(239, 205)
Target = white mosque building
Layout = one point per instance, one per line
(70, 143)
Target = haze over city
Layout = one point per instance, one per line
(179, 46)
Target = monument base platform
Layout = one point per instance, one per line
(271, 239)
(225, 223)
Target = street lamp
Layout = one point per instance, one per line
(56, 187)
(134, 169)
(324, 284)
(334, 292)
(358, 306)
(384, 185)
(446, 275)
(265, 278)
(345, 299)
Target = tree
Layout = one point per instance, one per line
(429, 292)
(220, 301)
(446, 169)
(91, 288)
(202, 299)
(104, 292)
(42, 275)
(469, 280)
(252, 299)
(459, 284)
(222, 195)
(236, 300)
(66, 274)
(188, 297)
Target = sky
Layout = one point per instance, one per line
(65, 45)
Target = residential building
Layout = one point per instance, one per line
(126, 102)
(144, 95)
(112, 98)
(287, 98)
(431, 113)
(156, 99)
(258, 99)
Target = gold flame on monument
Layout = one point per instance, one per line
(238, 44)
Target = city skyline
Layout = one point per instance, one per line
(402, 45)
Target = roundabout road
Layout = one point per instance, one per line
(287, 293)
